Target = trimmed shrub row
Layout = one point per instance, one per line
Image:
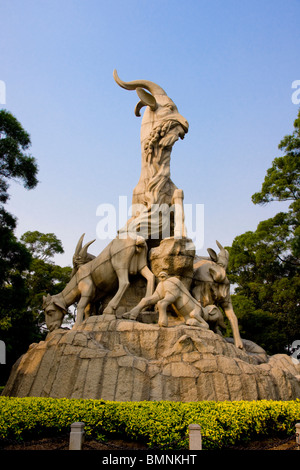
(162, 424)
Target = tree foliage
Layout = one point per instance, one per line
(15, 162)
(282, 182)
(43, 276)
(265, 265)
(42, 246)
(26, 267)
(21, 314)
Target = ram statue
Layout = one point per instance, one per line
(96, 278)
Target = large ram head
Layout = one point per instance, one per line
(162, 125)
(159, 107)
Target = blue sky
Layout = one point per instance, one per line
(228, 65)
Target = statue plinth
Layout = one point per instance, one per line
(124, 360)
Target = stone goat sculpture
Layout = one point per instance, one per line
(96, 278)
(171, 291)
(211, 286)
(161, 127)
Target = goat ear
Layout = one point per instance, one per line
(219, 245)
(46, 300)
(146, 99)
(60, 305)
(212, 254)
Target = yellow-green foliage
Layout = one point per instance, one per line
(161, 424)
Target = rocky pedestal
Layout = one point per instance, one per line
(117, 359)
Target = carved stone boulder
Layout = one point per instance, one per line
(176, 257)
(124, 360)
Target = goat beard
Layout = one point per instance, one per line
(163, 135)
(169, 140)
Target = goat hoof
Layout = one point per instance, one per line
(129, 316)
(108, 311)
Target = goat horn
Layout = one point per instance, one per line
(138, 108)
(219, 245)
(83, 251)
(79, 245)
(150, 86)
(146, 100)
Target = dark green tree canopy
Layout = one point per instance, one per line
(43, 276)
(265, 264)
(17, 328)
(15, 162)
(28, 274)
(27, 270)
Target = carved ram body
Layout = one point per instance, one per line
(96, 278)
(211, 286)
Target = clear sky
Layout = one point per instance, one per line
(228, 65)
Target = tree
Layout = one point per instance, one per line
(26, 267)
(265, 264)
(43, 276)
(14, 259)
(23, 324)
(15, 163)
(42, 246)
(282, 182)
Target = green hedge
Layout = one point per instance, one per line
(161, 425)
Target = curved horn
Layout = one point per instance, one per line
(150, 86)
(46, 300)
(146, 100)
(79, 245)
(219, 245)
(138, 108)
(83, 251)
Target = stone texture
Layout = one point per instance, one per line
(176, 257)
(161, 127)
(105, 274)
(117, 359)
(131, 297)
